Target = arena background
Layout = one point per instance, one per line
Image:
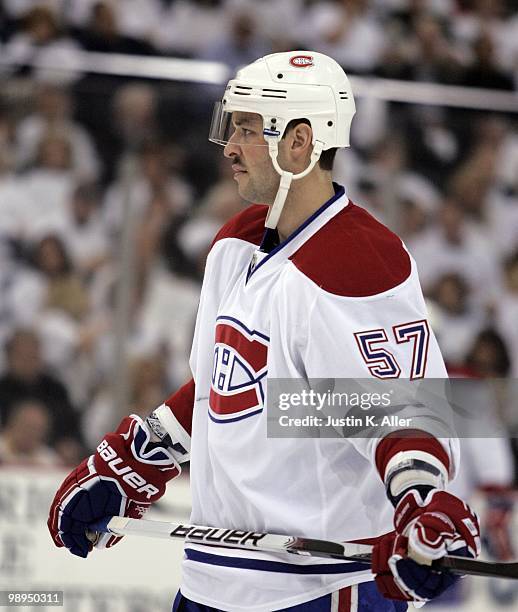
(110, 195)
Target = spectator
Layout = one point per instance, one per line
(456, 318)
(136, 19)
(484, 71)
(134, 114)
(454, 244)
(484, 17)
(148, 384)
(52, 114)
(507, 164)
(23, 293)
(277, 22)
(65, 291)
(7, 148)
(499, 177)
(159, 328)
(219, 205)
(418, 202)
(472, 182)
(243, 44)
(489, 357)
(26, 376)
(124, 123)
(377, 182)
(68, 325)
(85, 235)
(49, 185)
(24, 439)
(433, 145)
(348, 31)
(103, 33)
(508, 47)
(188, 27)
(155, 179)
(506, 310)
(435, 58)
(41, 38)
(14, 196)
(20, 286)
(167, 319)
(169, 302)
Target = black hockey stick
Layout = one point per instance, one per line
(269, 542)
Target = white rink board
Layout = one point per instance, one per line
(137, 575)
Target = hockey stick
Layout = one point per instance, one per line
(269, 542)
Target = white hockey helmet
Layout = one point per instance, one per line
(282, 87)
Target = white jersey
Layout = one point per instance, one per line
(294, 313)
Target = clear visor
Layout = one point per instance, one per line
(239, 127)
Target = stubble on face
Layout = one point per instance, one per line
(260, 182)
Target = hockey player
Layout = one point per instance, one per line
(326, 291)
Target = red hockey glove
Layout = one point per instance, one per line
(123, 478)
(425, 531)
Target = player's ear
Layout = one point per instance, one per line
(301, 139)
(295, 147)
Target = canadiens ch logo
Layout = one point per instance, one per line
(301, 61)
(239, 371)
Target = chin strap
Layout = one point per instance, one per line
(286, 177)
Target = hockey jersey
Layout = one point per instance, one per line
(294, 312)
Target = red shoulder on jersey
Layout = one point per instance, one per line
(247, 225)
(354, 255)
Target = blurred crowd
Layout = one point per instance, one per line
(90, 163)
(468, 42)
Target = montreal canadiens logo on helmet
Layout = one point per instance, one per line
(239, 371)
(301, 61)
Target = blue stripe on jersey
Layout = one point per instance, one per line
(339, 192)
(369, 600)
(273, 566)
(250, 332)
(322, 604)
(234, 419)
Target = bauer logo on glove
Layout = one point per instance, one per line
(126, 474)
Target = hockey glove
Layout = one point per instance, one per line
(424, 531)
(123, 478)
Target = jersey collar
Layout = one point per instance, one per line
(298, 237)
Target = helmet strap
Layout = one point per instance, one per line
(275, 211)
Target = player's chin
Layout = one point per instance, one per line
(243, 185)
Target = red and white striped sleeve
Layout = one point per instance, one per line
(174, 419)
(414, 459)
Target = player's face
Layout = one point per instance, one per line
(256, 177)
